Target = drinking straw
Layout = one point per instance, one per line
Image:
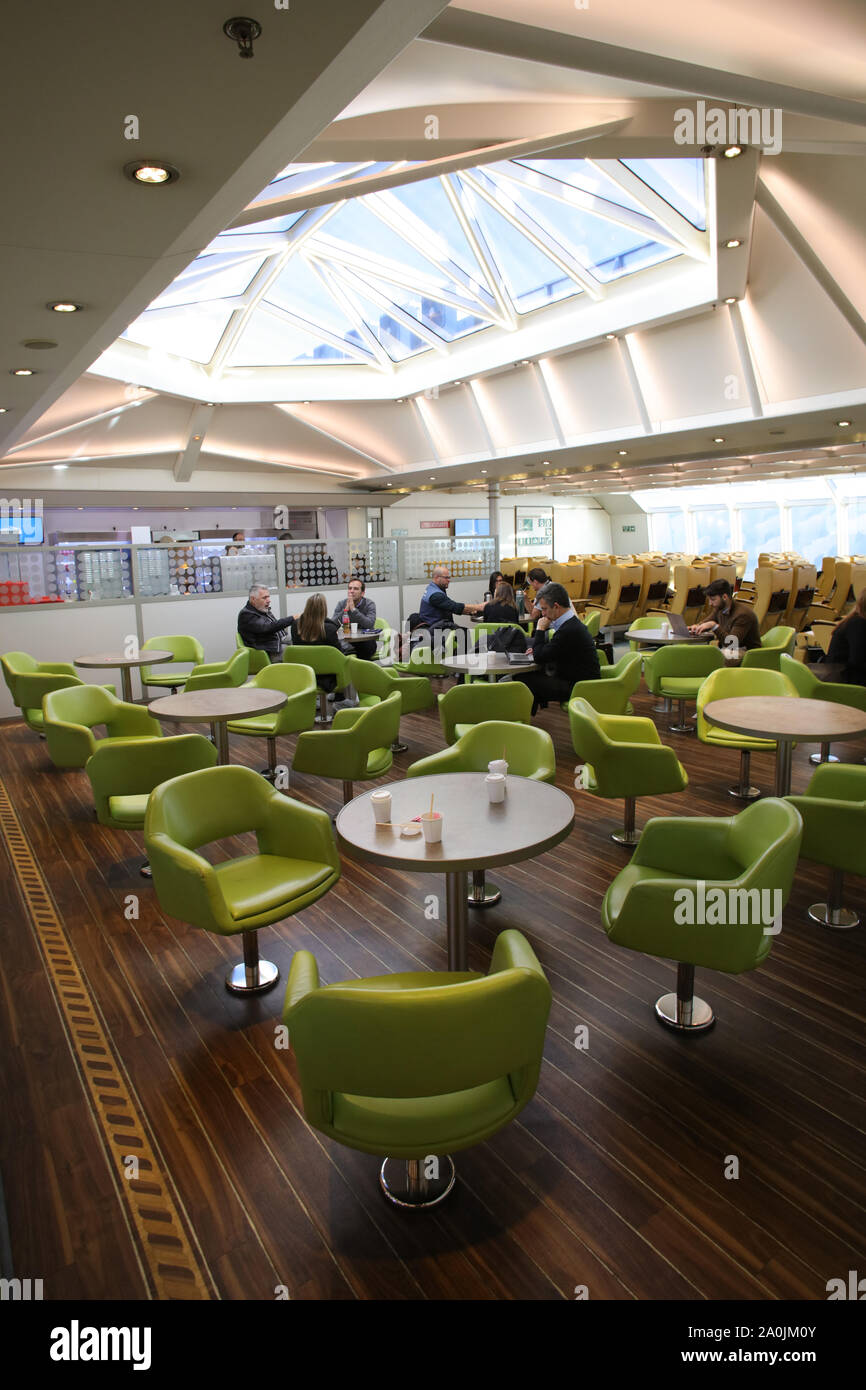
(431, 803)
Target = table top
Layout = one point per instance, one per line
(481, 663)
(117, 659)
(786, 716)
(370, 635)
(475, 834)
(657, 638)
(215, 705)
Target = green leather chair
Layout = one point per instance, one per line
(296, 863)
(809, 687)
(528, 752)
(734, 684)
(183, 649)
(623, 757)
(258, 659)
(298, 684)
(677, 673)
(419, 1065)
(610, 694)
(833, 808)
(374, 683)
(657, 905)
(29, 681)
(645, 624)
(325, 661)
(123, 774)
(219, 675)
(71, 716)
(592, 623)
(774, 643)
(465, 705)
(356, 749)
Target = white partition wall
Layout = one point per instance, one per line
(63, 631)
(214, 621)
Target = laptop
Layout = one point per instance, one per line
(519, 658)
(679, 625)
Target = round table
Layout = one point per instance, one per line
(533, 818)
(371, 635)
(489, 664)
(787, 720)
(217, 707)
(116, 660)
(654, 637)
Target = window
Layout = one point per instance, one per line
(856, 527)
(814, 531)
(762, 530)
(712, 530)
(668, 530)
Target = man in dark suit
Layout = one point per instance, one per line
(568, 656)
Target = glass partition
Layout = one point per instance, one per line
(326, 564)
(466, 559)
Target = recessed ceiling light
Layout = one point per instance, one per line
(22, 371)
(733, 243)
(433, 478)
(718, 439)
(400, 400)
(526, 362)
(3, 409)
(59, 467)
(39, 344)
(64, 306)
(610, 337)
(623, 453)
(732, 299)
(79, 509)
(151, 171)
(843, 424)
(484, 470)
(732, 151)
(389, 484)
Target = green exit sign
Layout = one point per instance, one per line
(628, 528)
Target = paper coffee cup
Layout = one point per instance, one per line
(498, 766)
(354, 628)
(432, 827)
(495, 783)
(381, 806)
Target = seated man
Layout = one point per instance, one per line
(568, 656)
(257, 626)
(535, 582)
(734, 623)
(361, 610)
(436, 608)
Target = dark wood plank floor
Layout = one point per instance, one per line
(613, 1177)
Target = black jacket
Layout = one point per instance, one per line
(848, 646)
(329, 640)
(499, 613)
(261, 630)
(570, 655)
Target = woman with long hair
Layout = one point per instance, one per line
(503, 609)
(497, 577)
(313, 628)
(848, 644)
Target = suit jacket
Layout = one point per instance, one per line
(569, 655)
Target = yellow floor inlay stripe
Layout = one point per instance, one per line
(173, 1268)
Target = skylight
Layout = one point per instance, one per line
(393, 274)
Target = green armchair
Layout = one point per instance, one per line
(677, 673)
(730, 684)
(647, 623)
(657, 905)
(611, 693)
(419, 1065)
(325, 661)
(298, 684)
(296, 864)
(592, 622)
(122, 776)
(528, 752)
(809, 687)
(374, 683)
(258, 659)
(183, 649)
(29, 681)
(774, 643)
(356, 749)
(219, 675)
(623, 757)
(71, 715)
(465, 705)
(833, 808)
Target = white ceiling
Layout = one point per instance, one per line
(72, 225)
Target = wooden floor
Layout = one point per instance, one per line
(154, 1144)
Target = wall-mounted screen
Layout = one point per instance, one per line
(24, 530)
(467, 526)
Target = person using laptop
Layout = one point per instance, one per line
(734, 623)
(566, 656)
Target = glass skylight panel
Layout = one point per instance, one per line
(191, 332)
(448, 320)
(679, 181)
(429, 202)
(300, 290)
(530, 276)
(268, 341)
(263, 229)
(210, 277)
(580, 174)
(359, 229)
(396, 337)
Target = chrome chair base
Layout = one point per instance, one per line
(397, 747)
(626, 837)
(681, 728)
(842, 918)
(684, 1015)
(816, 759)
(404, 1183)
(745, 793)
(146, 871)
(252, 979)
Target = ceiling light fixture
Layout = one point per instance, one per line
(64, 306)
(718, 439)
(843, 424)
(22, 371)
(611, 337)
(3, 409)
(151, 172)
(39, 344)
(243, 32)
(59, 467)
(733, 243)
(623, 453)
(732, 299)
(732, 151)
(484, 470)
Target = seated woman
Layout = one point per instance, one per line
(848, 645)
(503, 609)
(497, 577)
(313, 628)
